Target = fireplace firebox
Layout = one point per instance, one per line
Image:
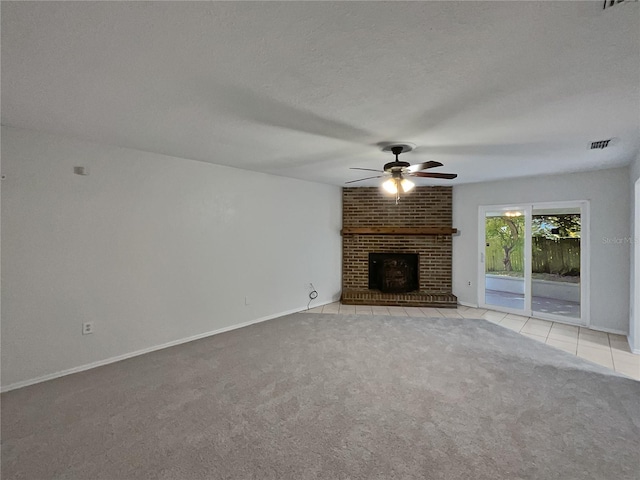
(393, 272)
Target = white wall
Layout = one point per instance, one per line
(151, 248)
(634, 288)
(608, 193)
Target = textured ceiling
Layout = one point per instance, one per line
(308, 89)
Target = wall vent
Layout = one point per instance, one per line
(612, 3)
(600, 144)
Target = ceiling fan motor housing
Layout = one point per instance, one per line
(395, 166)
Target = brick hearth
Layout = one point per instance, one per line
(423, 207)
(411, 299)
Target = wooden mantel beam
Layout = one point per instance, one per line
(398, 231)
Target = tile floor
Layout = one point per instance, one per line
(538, 304)
(606, 349)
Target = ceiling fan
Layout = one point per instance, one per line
(397, 171)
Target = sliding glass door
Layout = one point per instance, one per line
(556, 262)
(532, 260)
(503, 258)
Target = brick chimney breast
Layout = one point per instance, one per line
(422, 207)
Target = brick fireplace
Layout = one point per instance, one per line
(419, 225)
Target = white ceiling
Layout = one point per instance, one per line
(307, 89)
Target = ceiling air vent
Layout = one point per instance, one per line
(612, 3)
(600, 144)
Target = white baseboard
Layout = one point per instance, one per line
(107, 361)
(607, 330)
(468, 304)
(632, 346)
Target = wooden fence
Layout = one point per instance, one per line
(549, 256)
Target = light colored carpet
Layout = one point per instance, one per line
(312, 396)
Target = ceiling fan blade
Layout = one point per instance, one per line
(448, 176)
(423, 166)
(368, 178)
(367, 169)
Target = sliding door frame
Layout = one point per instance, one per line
(482, 213)
(585, 255)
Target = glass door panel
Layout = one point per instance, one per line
(556, 262)
(505, 283)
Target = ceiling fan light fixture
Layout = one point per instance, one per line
(393, 184)
(407, 185)
(390, 186)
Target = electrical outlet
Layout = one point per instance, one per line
(469, 283)
(87, 328)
